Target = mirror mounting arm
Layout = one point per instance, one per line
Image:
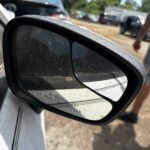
(36, 108)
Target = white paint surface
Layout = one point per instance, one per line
(31, 136)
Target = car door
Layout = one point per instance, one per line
(21, 127)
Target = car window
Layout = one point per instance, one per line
(135, 19)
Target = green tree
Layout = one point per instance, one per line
(94, 6)
(97, 6)
(72, 5)
(130, 4)
(145, 6)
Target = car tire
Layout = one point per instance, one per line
(122, 30)
(134, 34)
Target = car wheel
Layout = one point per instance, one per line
(122, 30)
(134, 34)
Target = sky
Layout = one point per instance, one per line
(139, 2)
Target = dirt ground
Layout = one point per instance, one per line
(66, 134)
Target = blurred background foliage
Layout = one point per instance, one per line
(145, 6)
(98, 6)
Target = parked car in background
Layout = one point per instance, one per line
(133, 24)
(90, 17)
(86, 16)
(79, 14)
(52, 8)
(109, 19)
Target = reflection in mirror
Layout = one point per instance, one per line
(79, 102)
(98, 73)
(44, 69)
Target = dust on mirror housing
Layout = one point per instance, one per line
(68, 70)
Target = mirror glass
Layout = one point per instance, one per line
(98, 73)
(44, 69)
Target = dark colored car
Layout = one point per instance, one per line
(133, 24)
(109, 19)
(52, 8)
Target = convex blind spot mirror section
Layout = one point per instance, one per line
(68, 70)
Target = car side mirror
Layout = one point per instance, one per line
(68, 70)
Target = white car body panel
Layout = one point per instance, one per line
(21, 128)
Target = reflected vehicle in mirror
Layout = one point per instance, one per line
(51, 8)
(71, 71)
